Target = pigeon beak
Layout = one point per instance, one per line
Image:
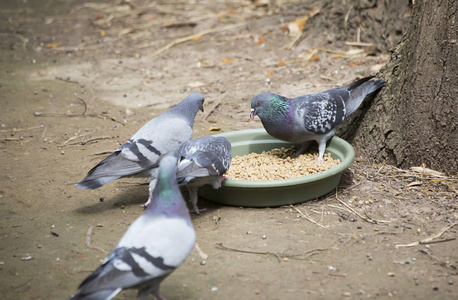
(253, 113)
(202, 109)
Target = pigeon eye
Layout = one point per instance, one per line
(258, 103)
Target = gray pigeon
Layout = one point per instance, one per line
(139, 155)
(311, 117)
(153, 246)
(203, 161)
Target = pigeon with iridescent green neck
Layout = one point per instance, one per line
(311, 117)
(151, 249)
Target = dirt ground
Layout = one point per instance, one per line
(78, 78)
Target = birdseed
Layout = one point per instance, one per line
(277, 164)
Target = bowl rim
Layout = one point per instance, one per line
(348, 159)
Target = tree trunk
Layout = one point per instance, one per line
(413, 120)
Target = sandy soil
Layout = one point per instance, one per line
(104, 53)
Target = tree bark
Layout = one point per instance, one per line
(413, 120)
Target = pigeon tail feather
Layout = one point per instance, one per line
(359, 90)
(111, 168)
(98, 295)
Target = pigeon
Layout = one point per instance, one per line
(203, 161)
(140, 154)
(311, 117)
(151, 249)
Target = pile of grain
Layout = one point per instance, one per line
(277, 164)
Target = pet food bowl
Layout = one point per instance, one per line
(276, 192)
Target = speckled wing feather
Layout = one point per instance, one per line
(320, 113)
(205, 156)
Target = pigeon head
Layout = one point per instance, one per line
(167, 198)
(269, 106)
(189, 107)
(194, 102)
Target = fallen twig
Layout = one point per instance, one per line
(103, 152)
(303, 256)
(66, 80)
(359, 44)
(96, 138)
(369, 220)
(21, 129)
(430, 239)
(89, 240)
(213, 109)
(201, 253)
(190, 37)
(305, 215)
(72, 138)
(83, 114)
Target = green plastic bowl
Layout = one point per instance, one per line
(276, 192)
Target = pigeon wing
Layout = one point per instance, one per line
(159, 136)
(206, 156)
(320, 113)
(145, 252)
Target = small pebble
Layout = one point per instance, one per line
(346, 294)
(214, 289)
(102, 199)
(391, 274)
(435, 288)
(203, 263)
(249, 232)
(359, 227)
(352, 219)
(122, 206)
(427, 246)
(264, 237)
(450, 282)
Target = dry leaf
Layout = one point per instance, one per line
(260, 40)
(270, 73)
(197, 37)
(261, 2)
(228, 60)
(427, 171)
(298, 25)
(103, 33)
(339, 55)
(356, 63)
(281, 63)
(52, 45)
(125, 31)
(99, 16)
(195, 84)
(415, 183)
(214, 128)
(314, 57)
